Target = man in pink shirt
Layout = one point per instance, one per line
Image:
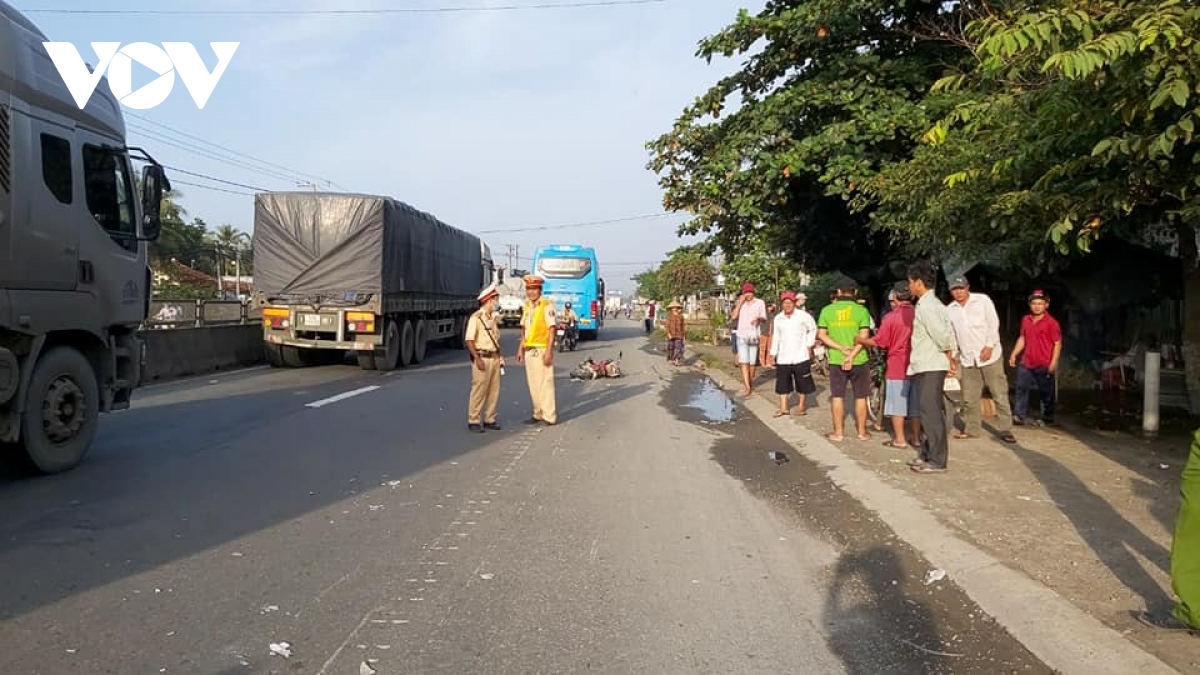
(899, 397)
(750, 313)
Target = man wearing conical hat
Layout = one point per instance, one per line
(483, 342)
(538, 323)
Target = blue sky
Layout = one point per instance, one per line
(488, 120)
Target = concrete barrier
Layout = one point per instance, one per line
(181, 352)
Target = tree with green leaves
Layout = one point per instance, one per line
(836, 93)
(1073, 123)
(685, 272)
(647, 284)
(763, 264)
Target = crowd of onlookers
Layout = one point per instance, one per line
(921, 341)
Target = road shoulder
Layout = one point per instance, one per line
(1064, 636)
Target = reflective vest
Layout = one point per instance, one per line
(537, 331)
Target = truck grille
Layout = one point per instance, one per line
(5, 171)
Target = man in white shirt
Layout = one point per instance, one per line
(793, 335)
(977, 330)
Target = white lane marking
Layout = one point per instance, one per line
(341, 397)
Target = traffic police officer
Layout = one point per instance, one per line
(483, 341)
(537, 351)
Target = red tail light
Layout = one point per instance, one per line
(595, 307)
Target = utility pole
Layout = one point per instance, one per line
(237, 267)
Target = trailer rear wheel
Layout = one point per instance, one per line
(295, 357)
(62, 411)
(408, 340)
(366, 360)
(421, 341)
(388, 358)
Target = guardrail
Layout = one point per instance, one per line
(196, 313)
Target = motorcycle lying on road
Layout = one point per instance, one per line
(568, 336)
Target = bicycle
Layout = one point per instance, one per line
(875, 402)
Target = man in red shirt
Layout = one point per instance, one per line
(900, 397)
(1039, 347)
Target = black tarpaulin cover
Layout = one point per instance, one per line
(331, 245)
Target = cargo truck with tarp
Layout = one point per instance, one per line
(362, 273)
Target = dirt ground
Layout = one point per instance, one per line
(1088, 513)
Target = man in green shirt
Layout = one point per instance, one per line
(839, 325)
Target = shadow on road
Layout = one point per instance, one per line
(1115, 541)
(196, 471)
(866, 591)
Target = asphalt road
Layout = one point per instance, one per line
(648, 532)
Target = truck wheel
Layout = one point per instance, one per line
(295, 357)
(388, 358)
(62, 411)
(274, 355)
(366, 360)
(421, 341)
(408, 340)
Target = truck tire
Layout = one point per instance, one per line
(295, 357)
(388, 358)
(408, 343)
(366, 360)
(62, 411)
(421, 341)
(274, 355)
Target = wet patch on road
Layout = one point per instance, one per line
(883, 613)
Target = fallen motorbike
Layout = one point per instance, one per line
(594, 370)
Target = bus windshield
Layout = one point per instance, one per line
(564, 268)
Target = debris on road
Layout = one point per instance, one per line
(487, 576)
(777, 456)
(934, 576)
(365, 668)
(283, 649)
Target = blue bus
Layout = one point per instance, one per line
(572, 275)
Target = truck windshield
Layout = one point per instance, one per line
(565, 268)
(110, 193)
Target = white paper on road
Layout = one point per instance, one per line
(341, 397)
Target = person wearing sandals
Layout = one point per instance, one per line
(930, 362)
(676, 330)
(977, 329)
(900, 398)
(839, 324)
(793, 335)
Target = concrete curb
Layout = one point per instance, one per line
(1063, 636)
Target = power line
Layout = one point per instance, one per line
(291, 172)
(201, 152)
(564, 226)
(210, 187)
(218, 180)
(347, 12)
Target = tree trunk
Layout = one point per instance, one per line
(1190, 342)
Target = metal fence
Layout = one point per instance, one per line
(194, 313)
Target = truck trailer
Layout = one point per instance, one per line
(74, 277)
(363, 273)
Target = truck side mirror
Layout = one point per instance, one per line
(154, 183)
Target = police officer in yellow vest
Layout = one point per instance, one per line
(483, 341)
(537, 351)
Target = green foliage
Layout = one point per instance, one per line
(686, 271)
(763, 264)
(818, 290)
(837, 92)
(1076, 122)
(647, 284)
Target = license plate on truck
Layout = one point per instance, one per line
(312, 320)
